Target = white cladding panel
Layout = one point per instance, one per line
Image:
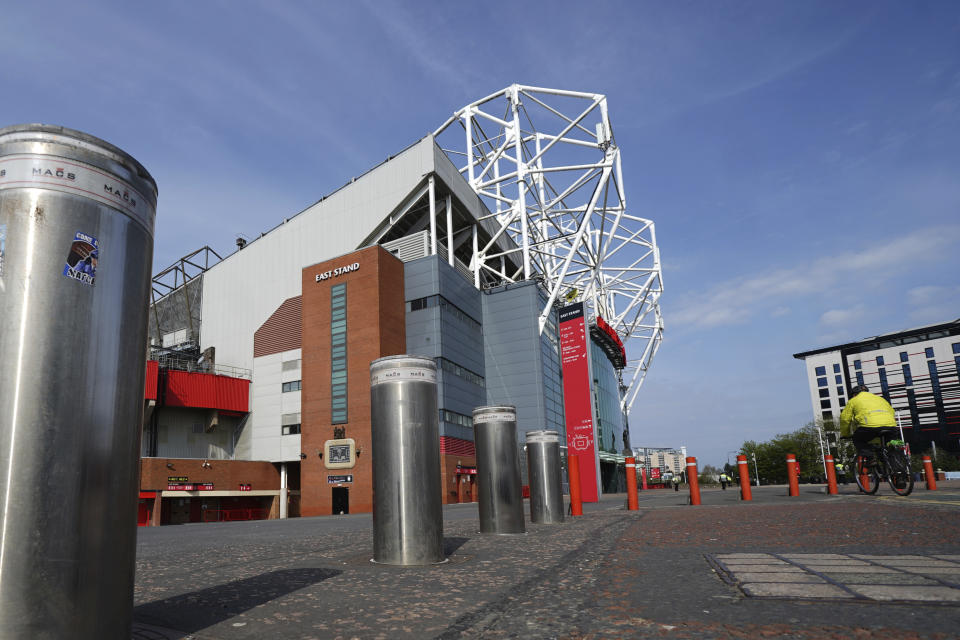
(827, 361)
(268, 404)
(242, 291)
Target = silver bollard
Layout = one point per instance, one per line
(76, 247)
(407, 515)
(498, 470)
(543, 470)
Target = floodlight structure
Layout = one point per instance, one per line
(546, 164)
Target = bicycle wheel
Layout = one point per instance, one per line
(898, 472)
(864, 468)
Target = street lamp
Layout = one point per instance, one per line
(756, 472)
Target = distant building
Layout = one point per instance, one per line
(663, 459)
(917, 371)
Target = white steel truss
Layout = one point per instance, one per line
(546, 164)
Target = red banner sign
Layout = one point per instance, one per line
(574, 358)
(654, 474)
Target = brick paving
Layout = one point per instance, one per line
(816, 566)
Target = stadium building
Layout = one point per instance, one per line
(258, 395)
(917, 371)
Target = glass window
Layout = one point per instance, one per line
(291, 386)
(824, 404)
(290, 429)
(903, 356)
(838, 379)
(956, 347)
(929, 352)
(880, 360)
(907, 378)
(859, 377)
(836, 368)
(856, 365)
(840, 392)
(824, 393)
(821, 371)
(338, 354)
(843, 403)
(828, 415)
(821, 382)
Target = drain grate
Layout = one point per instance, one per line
(928, 579)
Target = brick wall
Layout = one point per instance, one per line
(375, 328)
(226, 475)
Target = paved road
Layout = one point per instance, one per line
(813, 566)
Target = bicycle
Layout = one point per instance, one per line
(888, 462)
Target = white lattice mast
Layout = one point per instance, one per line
(546, 164)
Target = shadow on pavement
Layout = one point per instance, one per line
(201, 609)
(450, 545)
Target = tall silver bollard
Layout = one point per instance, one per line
(76, 246)
(407, 516)
(498, 470)
(543, 470)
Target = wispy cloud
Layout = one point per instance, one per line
(738, 300)
(842, 317)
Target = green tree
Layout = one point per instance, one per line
(771, 456)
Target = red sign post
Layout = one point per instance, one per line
(577, 406)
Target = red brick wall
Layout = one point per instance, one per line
(226, 475)
(376, 327)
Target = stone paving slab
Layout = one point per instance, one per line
(909, 593)
(901, 578)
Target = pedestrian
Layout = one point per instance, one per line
(676, 483)
(841, 473)
(723, 481)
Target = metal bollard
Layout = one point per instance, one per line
(794, 484)
(928, 472)
(407, 515)
(76, 245)
(744, 469)
(573, 474)
(831, 475)
(632, 502)
(546, 483)
(498, 470)
(693, 481)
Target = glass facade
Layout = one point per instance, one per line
(606, 397)
(338, 354)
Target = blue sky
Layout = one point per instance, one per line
(800, 159)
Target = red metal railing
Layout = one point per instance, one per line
(232, 515)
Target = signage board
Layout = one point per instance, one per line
(654, 473)
(190, 486)
(339, 479)
(468, 471)
(340, 453)
(245, 487)
(177, 479)
(577, 400)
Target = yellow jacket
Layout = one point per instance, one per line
(866, 410)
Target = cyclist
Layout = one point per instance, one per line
(864, 418)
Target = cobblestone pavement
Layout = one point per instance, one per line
(667, 571)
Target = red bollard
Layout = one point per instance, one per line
(792, 475)
(573, 473)
(928, 472)
(632, 503)
(643, 478)
(744, 469)
(831, 475)
(693, 481)
(864, 477)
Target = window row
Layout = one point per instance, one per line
(445, 305)
(338, 354)
(291, 386)
(455, 418)
(462, 372)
